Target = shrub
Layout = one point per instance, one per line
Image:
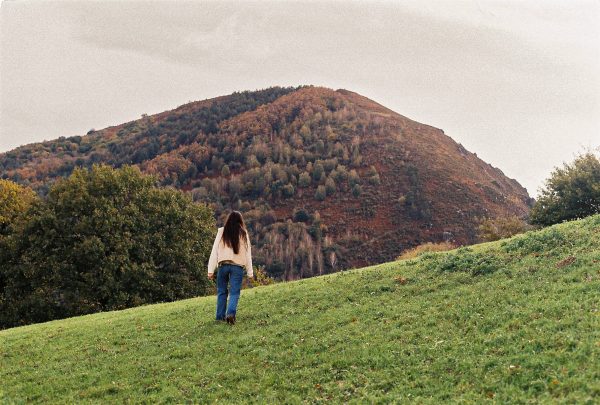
(571, 192)
(424, 248)
(491, 229)
(537, 242)
(261, 277)
(465, 260)
(356, 190)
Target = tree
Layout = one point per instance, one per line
(14, 202)
(321, 193)
(320, 147)
(304, 180)
(318, 172)
(288, 190)
(356, 158)
(571, 192)
(374, 180)
(340, 174)
(373, 176)
(353, 178)
(356, 190)
(330, 187)
(215, 163)
(252, 161)
(225, 172)
(305, 133)
(105, 239)
(500, 228)
(300, 215)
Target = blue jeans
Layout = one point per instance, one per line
(234, 275)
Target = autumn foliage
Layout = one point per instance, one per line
(369, 179)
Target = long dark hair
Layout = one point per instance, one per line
(234, 231)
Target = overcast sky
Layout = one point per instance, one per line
(516, 82)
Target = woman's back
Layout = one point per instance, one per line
(222, 251)
(225, 252)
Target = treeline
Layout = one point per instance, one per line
(134, 143)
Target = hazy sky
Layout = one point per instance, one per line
(516, 82)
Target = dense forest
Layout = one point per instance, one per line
(326, 179)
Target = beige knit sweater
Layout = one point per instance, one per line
(222, 252)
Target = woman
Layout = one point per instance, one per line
(231, 253)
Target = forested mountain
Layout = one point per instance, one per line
(326, 179)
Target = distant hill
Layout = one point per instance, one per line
(327, 179)
(513, 321)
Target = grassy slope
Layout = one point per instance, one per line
(525, 329)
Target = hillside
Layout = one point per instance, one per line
(514, 321)
(327, 179)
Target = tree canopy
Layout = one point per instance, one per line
(104, 239)
(571, 192)
(14, 201)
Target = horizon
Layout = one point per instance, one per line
(95, 65)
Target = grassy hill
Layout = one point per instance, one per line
(510, 321)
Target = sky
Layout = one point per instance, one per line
(516, 82)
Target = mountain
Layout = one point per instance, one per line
(513, 321)
(327, 179)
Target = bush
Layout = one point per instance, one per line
(424, 248)
(356, 190)
(465, 260)
(571, 192)
(104, 239)
(491, 229)
(537, 242)
(261, 277)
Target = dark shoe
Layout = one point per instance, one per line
(230, 319)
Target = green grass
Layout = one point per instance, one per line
(510, 321)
